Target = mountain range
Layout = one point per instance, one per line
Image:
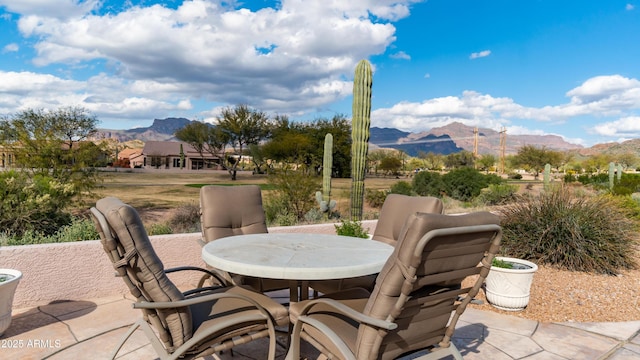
(447, 139)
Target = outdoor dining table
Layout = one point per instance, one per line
(298, 257)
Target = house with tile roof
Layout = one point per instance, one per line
(168, 155)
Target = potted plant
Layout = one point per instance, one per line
(508, 283)
(9, 279)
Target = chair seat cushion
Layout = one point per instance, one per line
(355, 298)
(232, 306)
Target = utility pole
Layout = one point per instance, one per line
(503, 146)
(475, 142)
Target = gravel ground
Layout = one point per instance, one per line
(561, 296)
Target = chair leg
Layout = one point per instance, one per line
(441, 352)
(126, 337)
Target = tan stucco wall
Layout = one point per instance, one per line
(81, 270)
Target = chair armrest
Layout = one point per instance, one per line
(340, 310)
(349, 312)
(198, 300)
(195, 268)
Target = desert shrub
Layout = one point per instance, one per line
(80, 229)
(159, 229)
(464, 184)
(627, 185)
(630, 204)
(375, 198)
(598, 181)
(351, 228)
(296, 190)
(587, 233)
(277, 213)
(162, 228)
(35, 204)
(497, 194)
(185, 219)
(401, 187)
(515, 176)
(569, 178)
(428, 183)
(314, 215)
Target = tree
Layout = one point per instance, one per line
(627, 160)
(243, 126)
(433, 161)
(391, 165)
(460, 159)
(486, 162)
(54, 166)
(302, 144)
(203, 138)
(53, 143)
(534, 159)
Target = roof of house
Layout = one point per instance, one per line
(171, 148)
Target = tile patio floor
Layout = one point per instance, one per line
(89, 329)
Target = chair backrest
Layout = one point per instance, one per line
(420, 285)
(397, 208)
(231, 210)
(127, 244)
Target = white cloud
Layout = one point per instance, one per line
(598, 96)
(629, 7)
(56, 9)
(481, 54)
(277, 59)
(626, 127)
(13, 47)
(400, 55)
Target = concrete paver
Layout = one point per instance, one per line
(92, 328)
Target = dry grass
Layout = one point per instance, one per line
(158, 191)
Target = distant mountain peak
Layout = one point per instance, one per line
(447, 139)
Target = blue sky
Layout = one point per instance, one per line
(564, 67)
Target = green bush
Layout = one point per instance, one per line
(295, 190)
(627, 185)
(464, 184)
(401, 187)
(78, 230)
(351, 228)
(375, 198)
(599, 181)
(35, 204)
(277, 213)
(159, 229)
(497, 194)
(515, 176)
(428, 183)
(578, 233)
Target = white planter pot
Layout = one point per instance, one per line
(508, 289)
(7, 289)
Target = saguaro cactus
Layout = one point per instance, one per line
(619, 172)
(547, 175)
(360, 130)
(324, 197)
(612, 170)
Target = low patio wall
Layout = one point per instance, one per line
(81, 270)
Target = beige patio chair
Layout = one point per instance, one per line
(393, 214)
(185, 325)
(235, 210)
(417, 299)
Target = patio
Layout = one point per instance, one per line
(72, 307)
